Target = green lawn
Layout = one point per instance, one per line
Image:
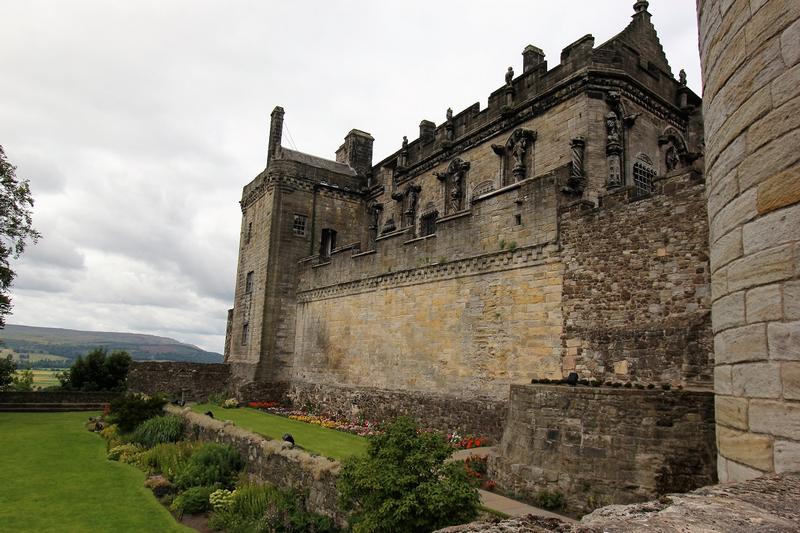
(315, 439)
(55, 477)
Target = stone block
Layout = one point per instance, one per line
(731, 411)
(757, 380)
(722, 469)
(773, 264)
(726, 249)
(728, 311)
(790, 378)
(778, 122)
(724, 190)
(740, 210)
(786, 86)
(740, 472)
(746, 448)
(781, 190)
(773, 229)
(784, 340)
(779, 154)
(764, 303)
(746, 343)
(719, 283)
(791, 300)
(781, 419)
(748, 113)
(790, 44)
(723, 381)
(787, 456)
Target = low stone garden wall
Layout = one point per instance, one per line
(603, 445)
(272, 462)
(197, 381)
(54, 401)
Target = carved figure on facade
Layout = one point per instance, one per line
(576, 182)
(682, 78)
(449, 128)
(408, 200)
(402, 160)
(454, 180)
(509, 75)
(515, 155)
(374, 211)
(675, 152)
(614, 139)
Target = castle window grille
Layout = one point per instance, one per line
(643, 176)
(248, 282)
(299, 225)
(427, 224)
(245, 333)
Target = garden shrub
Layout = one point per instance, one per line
(124, 453)
(167, 459)
(97, 371)
(221, 499)
(404, 485)
(192, 501)
(547, 499)
(210, 464)
(130, 410)
(159, 430)
(111, 435)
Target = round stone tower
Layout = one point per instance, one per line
(750, 55)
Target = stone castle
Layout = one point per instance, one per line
(588, 224)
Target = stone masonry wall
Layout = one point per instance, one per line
(602, 445)
(271, 462)
(481, 416)
(750, 55)
(637, 286)
(197, 381)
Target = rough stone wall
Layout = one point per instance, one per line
(602, 445)
(636, 301)
(750, 54)
(53, 397)
(476, 415)
(197, 381)
(271, 462)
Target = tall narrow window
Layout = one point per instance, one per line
(248, 282)
(245, 333)
(328, 243)
(249, 233)
(643, 175)
(299, 225)
(427, 224)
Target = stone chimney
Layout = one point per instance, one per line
(426, 131)
(275, 132)
(357, 151)
(532, 57)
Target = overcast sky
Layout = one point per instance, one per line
(139, 122)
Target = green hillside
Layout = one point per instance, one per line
(69, 343)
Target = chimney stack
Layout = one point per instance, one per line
(426, 131)
(357, 151)
(532, 57)
(275, 132)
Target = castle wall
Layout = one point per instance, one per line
(636, 294)
(602, 445)
(193, 382)
(750, 54)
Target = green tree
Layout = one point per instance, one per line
(7, 369)
(97, 371)
(404, 485)
(16, 227)
(23, 381)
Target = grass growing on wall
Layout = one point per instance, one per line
(55, 477)
(315, 439)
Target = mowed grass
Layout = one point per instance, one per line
(55, 477)
(312, 438)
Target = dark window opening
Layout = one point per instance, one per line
(328, 243)
(249, 233)
(248, 282)
(427, 224)
(518, 220)
(299, 225)
(643, 176)
(245, 333)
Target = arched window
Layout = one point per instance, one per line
(643, 175)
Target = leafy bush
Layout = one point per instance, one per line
(167, 459)
(211, 464)
(404, 485)
(159, 430)
(192, 501)
(221, 499)
(130, 410)
(111, 435)
(97, 371)
(22, 381)
(552, 500)
(7, 369)
(124, 453)
(230, 403)
(255, 508)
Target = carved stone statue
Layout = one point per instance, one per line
(402, 160)
(509, 75)
(412, 198)
(671, 160)
(454, 179)
(456, 193)
(682, 77)
(520, 147)
(405, 143)
(449, 115)
(612, 128)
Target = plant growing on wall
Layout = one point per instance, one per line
(404, 485)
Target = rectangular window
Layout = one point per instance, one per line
(248, 282)
(328, 243)
(249, 233)
(299, 225)
(427, 224)
(245, 333)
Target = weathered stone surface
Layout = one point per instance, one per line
(745, 343)
(731, 411)
(784, 340)
(726, 249)
(780, 190)
(787, 456)
(728, 311)
(791, 300)
(790, 377)
(601, 445)
(747, 448)
(763, 267)
(775, 418)
(757, 380)
(774, 229)
(190, 381)
(764, 303)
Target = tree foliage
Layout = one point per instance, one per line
(7, 369)
(404, 485)
(97, 371)
(16, 226)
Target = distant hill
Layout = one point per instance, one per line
(71, 343)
